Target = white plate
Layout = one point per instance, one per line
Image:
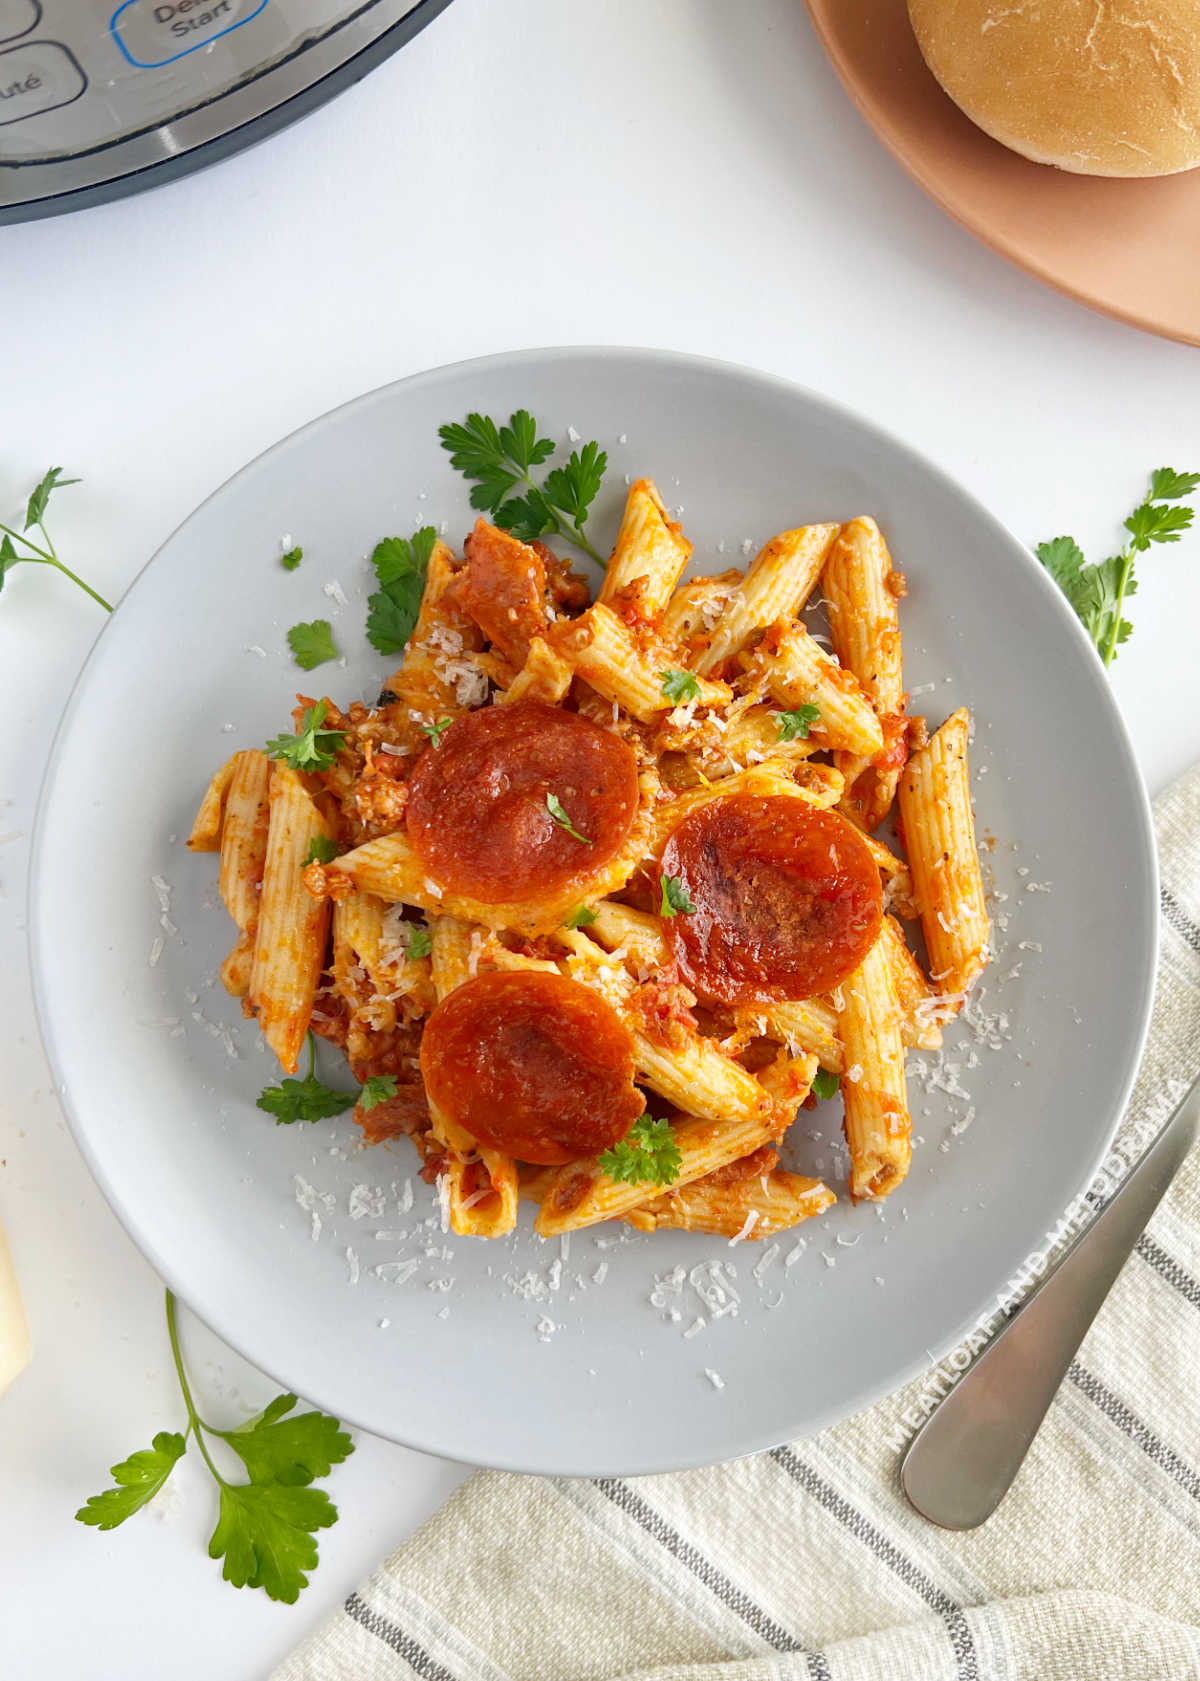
(536, 1365)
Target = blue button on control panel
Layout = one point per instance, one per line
(151, 32)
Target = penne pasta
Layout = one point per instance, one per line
(545, 676)
(939, 831)
(745, 1207)
(878, 1129)
(293, 927)
(440, 672)
(918, 1000)
(798, 672)
(862, 590)
(206, 830)
(650, 553)
(775, 589)
(243, 859)
(627, 670)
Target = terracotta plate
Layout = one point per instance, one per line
(1128, 248)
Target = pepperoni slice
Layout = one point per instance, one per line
(477, 809)
(533, 1064)
(787, 898)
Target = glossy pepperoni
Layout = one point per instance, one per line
(787, 898)
(533, 1064)
(477, 810)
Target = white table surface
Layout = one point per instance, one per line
(683, 173)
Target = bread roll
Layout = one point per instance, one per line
(1097, 87)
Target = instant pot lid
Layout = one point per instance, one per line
(91, 111)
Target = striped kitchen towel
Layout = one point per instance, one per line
(807, 1562)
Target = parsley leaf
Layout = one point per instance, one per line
(1098, 593)
(435, 732)
(675, 900)
(377, 1090)
(1166, 485)
(557, 811)
(321, 850)
(798, 722)
(312, 644)
(265, 1527)
(400, 565)
(31, 553)
(680, 685)
(825, 1084)
(314, 748)
(647, 1155)
(138, 1480)
(420, 944)
(291, 559)
(304, 1100)
(580, 917)
(497, 460)
(35, 508)
(288, 1450)
(265, 1534)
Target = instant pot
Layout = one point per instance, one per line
(103, 97)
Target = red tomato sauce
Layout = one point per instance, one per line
(533, 1064)
(787, 897)
(477, 810)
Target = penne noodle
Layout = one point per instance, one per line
(650, 553)
(862, 589)
(939, 831)
(206, 830)
(603, 650)
(751, 1208)
(809, 1024)
(693, 610)
(917, 998)
(799, 672)
(545, 676)
(243, 859)
(775, 589)
(293, 927)
(441, 649)
(878, 1128)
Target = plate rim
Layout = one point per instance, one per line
(1147, 928)
(892, 138)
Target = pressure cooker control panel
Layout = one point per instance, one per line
(73, 79)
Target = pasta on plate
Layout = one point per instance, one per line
(592, 897)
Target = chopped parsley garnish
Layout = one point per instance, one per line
(377, 1090)
(797, 722)
(555, 807)
(680, 686)
(307, 1099)
(647, 1155)
(400, 565)
(43, 553)
(312, 644)
(498, 459)
(825, 1084)
(1098, 593)
(420, 942)
(321, 850)
(674, 900)
(314, 748)
(435, 732)
(581, 917)
(266, 1527)
(291, 559)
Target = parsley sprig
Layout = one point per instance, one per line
(674, 899)
(400, 565)
(437, 730)
(321, 850)
(312, 644)
(308, 1099)
(798, 722)
(43, 553)
(498, 459)
(266, 1527)
(314, 748)
(647, 1155)
(558, 814)
(376, 1090)
(680, 686)
(825, 1084)
(1098, 592)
